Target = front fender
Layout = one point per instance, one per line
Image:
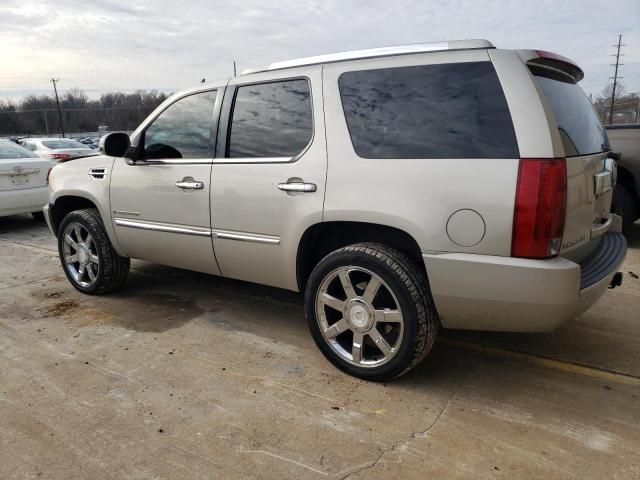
(77, 179)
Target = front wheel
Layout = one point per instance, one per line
(88, 258)
(370, 312)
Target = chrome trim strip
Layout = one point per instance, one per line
(173, 161)
(256, 159)
(159, 227)
(246, 237)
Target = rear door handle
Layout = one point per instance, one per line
(190, 185)
(297, 187)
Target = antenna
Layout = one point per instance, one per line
(234, 68)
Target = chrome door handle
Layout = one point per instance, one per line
(190, 185)
(297, 187)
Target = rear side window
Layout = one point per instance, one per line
(578, 124)
(271, 120)
(10, 151)
(455, 110)
(62, 143)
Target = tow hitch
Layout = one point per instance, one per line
(616, 281)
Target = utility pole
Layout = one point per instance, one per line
(46, 123)
(615, 77)
(54, 80)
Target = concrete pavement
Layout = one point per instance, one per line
(182, 375)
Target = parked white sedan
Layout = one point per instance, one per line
(24, 185)
(57, 148)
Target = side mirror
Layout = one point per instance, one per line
(115, 144)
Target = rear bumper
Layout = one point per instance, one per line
(481, 292)
(15, 202)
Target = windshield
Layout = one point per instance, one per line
(578, 124)
(62, 143)
(11, 151)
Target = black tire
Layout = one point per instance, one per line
(405, 281)
(624, 204)
(113, 269)
(38, 216)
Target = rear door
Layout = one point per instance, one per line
(21, 169)
(269, 173)
(589, 173)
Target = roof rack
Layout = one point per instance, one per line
(377, 52)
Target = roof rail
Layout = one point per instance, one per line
(377, 52)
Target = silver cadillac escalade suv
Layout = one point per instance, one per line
(401, 189)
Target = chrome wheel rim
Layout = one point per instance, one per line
(80, 254)
(359, 316)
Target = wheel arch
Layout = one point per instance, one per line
(63, 204)
(320, 239)
(66, 204)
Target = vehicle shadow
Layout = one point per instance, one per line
(20, 224)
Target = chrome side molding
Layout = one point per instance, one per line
(246, 237)
(162, 227)
(198, 231)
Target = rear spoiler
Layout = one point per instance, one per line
(552, 61)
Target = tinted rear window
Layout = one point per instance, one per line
(455, 110)
(9, 151)
(578, 124)
(62, 143)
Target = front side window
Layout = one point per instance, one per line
(455, 110)
(271, 120)
(183, 130)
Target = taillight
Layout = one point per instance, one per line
(58, 156)
(540, 210)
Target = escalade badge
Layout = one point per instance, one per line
(125, 212)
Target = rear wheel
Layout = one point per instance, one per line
(370, 312)
(88, 258)
(624, 205)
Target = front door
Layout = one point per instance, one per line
(160, 204)
(269, 175)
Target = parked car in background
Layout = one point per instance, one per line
(399, 188)
(625, 140)
(24, 184)
(57, 148)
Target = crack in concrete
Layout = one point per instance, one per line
(412, 436)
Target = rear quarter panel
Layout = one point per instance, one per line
(419, 195)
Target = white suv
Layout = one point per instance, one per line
(400, 189)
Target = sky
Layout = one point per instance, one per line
(114, 45)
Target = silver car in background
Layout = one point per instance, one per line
(57, 148)
(23, 180)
